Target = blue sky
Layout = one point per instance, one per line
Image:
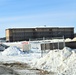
(37, 13)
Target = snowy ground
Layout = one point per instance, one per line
(54, 62)
(13, 55)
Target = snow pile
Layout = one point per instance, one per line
(71, 65)
(74, 39)
(66, 53)
(13, 50)
(67, 40)
(58, 61)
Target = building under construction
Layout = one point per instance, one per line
(20, 34)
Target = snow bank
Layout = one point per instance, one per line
(58, 61)
(17, 44)
(66, 53)
(74, 39)
(67, 40)
(13, 50)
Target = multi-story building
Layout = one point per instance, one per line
(19, 34)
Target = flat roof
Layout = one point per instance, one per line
(41, 27)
